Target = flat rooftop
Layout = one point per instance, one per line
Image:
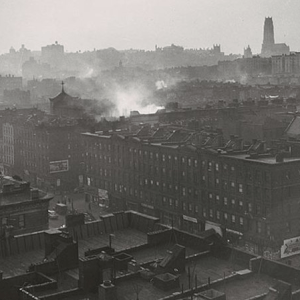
(271, 160)
(204, 268)
(123, 239)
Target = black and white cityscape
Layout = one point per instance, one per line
(149, 151)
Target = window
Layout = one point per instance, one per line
(210, 195)
(241, 188)
(196, 163)
(21, 221)
(258, 227)
(249, 207)
(209, 167)
(183, 206)
(196, 208)
(190, 207)
(288, 226)
(233, 218)
(170, 202)
(225, 216)
(232, 184)
(241, 203)
(217, 181)
(218, 215)
(268, 230)
(232, 202)
(211, 213)
(241, 221)
(204, 212)
(4, 222)
(183, 191)
(225, 201)
(258, 209)
(217, 167)
(225, 167)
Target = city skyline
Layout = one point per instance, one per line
(87, 25)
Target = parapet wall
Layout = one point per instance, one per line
(22, 244)
(275, 269)
(108, 224)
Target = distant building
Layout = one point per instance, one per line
(65, 105)
(34, 69)
(52, 54)
(43, 149)
(269, 47)
(10, 82)
(247, 52)
(16, 96)
(286, 64)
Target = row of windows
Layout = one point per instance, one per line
(224, 215)
(226, 184)
(18, 221)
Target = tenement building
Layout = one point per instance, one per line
(42, 149)
(194, 182)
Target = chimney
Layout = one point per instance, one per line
(107, 291)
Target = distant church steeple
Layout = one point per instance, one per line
(268, 32)
(268, 39)
(248, 52)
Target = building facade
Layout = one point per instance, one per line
(249, 195)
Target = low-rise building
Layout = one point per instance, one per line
(22, 208)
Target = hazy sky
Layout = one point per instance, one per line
(124, 24)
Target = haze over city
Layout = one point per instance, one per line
(85, 25)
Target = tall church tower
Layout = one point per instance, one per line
(268, 41)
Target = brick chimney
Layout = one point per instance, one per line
(107, 291)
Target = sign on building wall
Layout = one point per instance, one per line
(290, 247)
(59, 166)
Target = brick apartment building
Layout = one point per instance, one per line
(252, 194)
(42, 149)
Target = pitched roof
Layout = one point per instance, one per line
(62, 96)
